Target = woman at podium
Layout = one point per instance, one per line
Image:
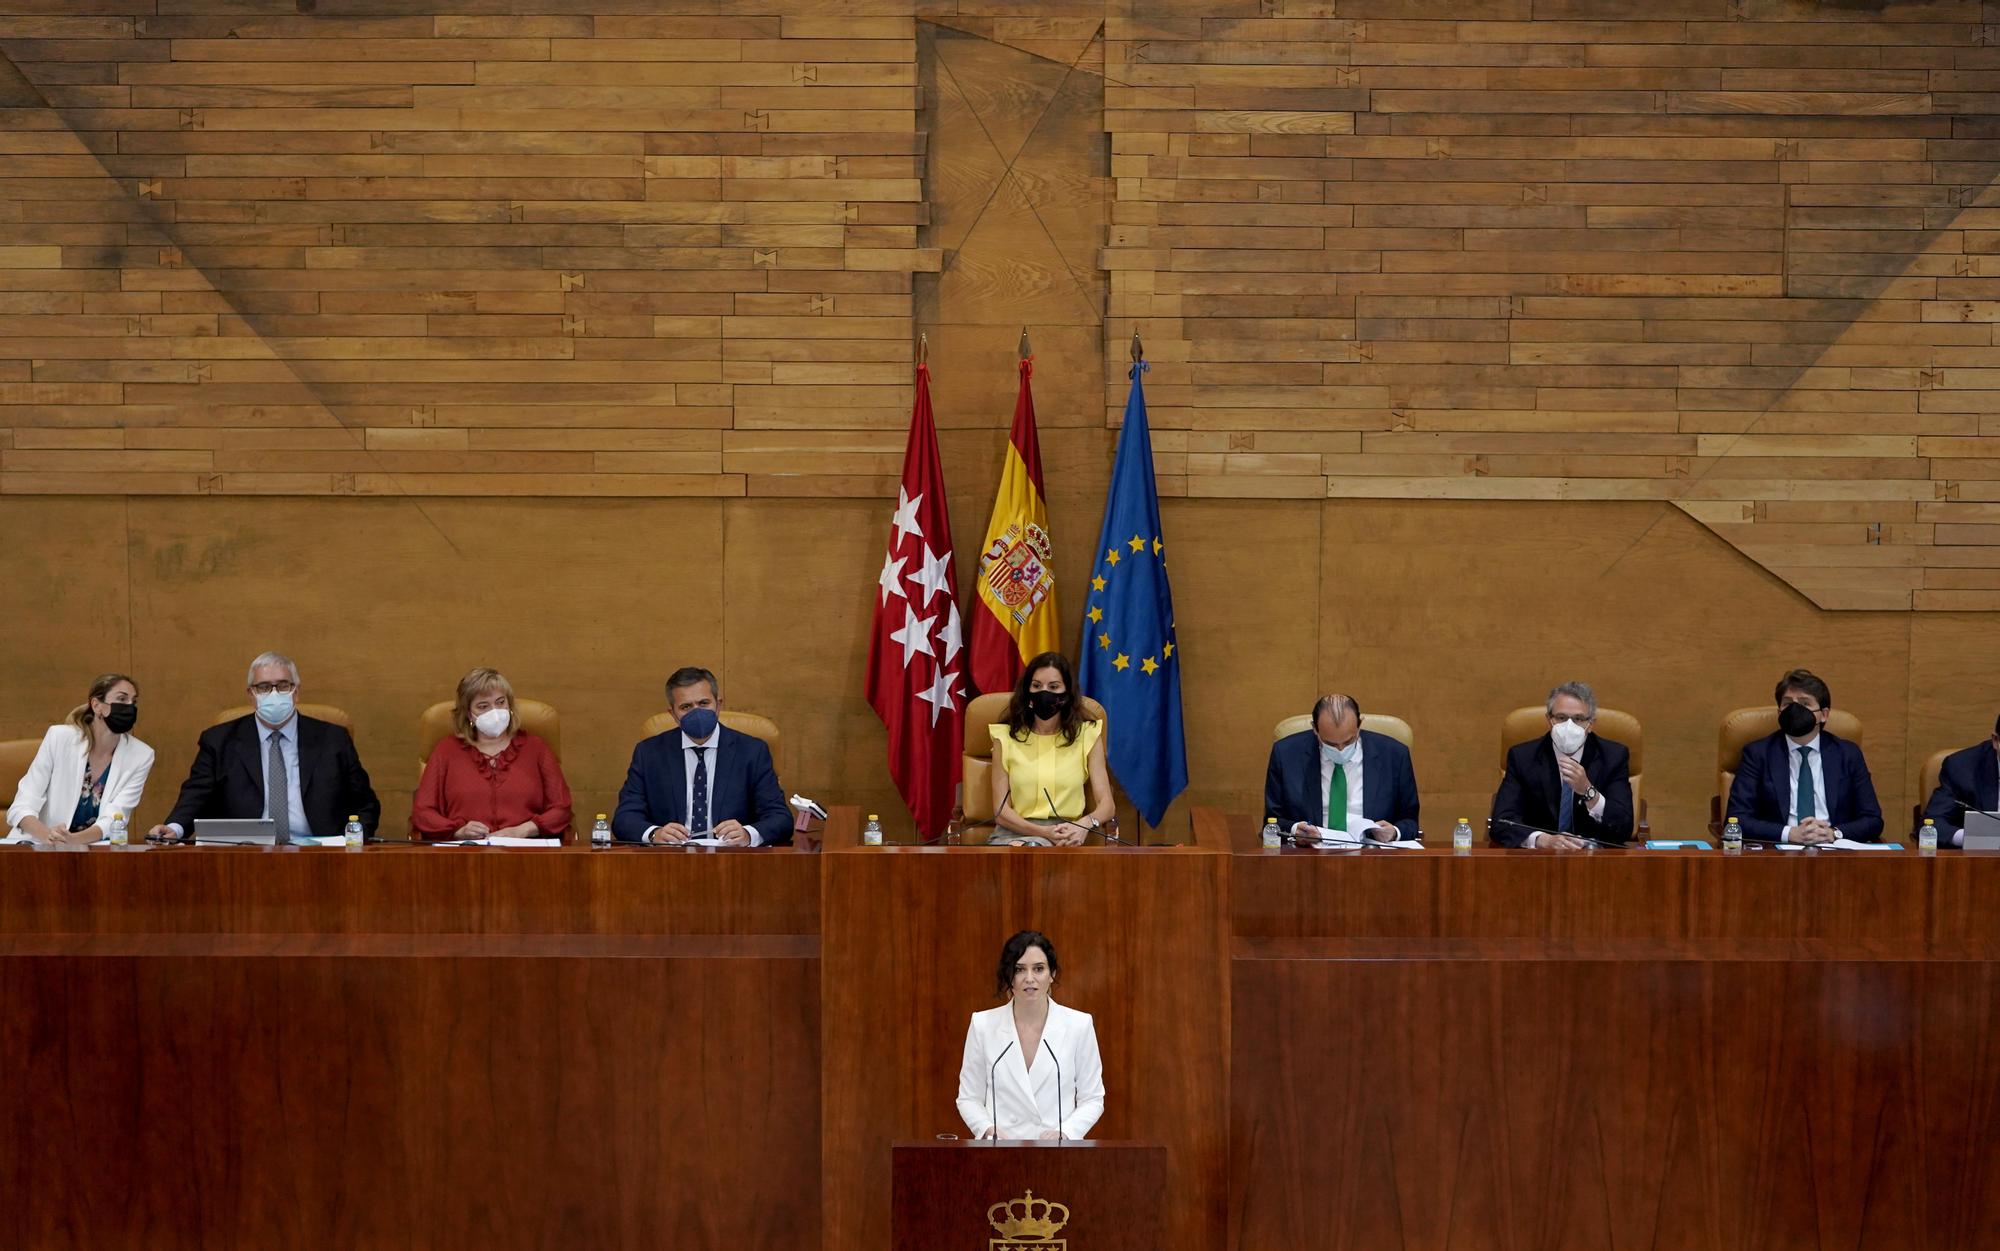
(1044, 753)
(1031, 1067)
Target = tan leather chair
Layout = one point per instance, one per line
(1927, 782)
(1622, 728)
(1745, 726)
(16, 754)
(1380, 722)
(318, 712)
(536, 717)
(756, 725)
(976, 779)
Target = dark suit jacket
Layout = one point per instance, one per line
(1389, 785)
(1531, 788)
(227, 779)
(746, 787)
(1762, 793)
(1969, 779)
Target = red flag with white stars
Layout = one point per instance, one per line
(916, 650)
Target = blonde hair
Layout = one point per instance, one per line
(479, 682)
(81, 716)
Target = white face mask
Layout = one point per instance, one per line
(1568, 737)
(493, 722)
(1340, 755)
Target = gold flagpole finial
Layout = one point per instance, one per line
(1026, 349)
(1138, 349)
(923, 349)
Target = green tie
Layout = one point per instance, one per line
(1805, 801)
(1336, 800)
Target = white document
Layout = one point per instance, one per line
(1841, 844)
(500, 840)
(1341, 840)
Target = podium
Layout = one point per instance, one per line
(1059, 1196)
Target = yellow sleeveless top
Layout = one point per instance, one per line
(1042, 769)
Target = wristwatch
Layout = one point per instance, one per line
(1590, 797)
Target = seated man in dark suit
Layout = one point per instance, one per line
(1802, 784)
(1969, 779)
(1569, 785)
(301, 774)
(1342, 778)
(701, 779)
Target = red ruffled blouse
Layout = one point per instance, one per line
(462, 783)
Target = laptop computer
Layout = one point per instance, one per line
(253, 833)
(1982, 830)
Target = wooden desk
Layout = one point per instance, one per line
(1613, 1049)
(913, 940)
(1107, 1196)
(428, 1047)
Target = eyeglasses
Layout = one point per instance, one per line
(266, 688)
(1579, 718)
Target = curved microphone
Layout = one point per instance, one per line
(993, 1095)
(1052, 1056)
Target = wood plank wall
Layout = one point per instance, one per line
(1463, 330)
(1734, 254)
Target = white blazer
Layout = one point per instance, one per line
(995, 1072)
(54, 782)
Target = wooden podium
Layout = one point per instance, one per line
(1076, 1196)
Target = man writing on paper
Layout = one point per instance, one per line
(701, 779)
(1570, 785)
(1802, 784)
(1352, 782)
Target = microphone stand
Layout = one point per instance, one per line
(993, 1094)
(1536, 829)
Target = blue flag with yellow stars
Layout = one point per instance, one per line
(1129, 661)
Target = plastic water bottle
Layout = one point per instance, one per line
(353, 836)
(1732, 837)
(1461, 837)
(600, 833)
(871, 833)
(1271, 837)
(1927, 837)
(119, 836)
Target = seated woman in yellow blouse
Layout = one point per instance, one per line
(1043, 753)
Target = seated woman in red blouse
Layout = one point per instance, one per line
(492, 778)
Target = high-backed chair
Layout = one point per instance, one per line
(1380, 722)
(756, 725)
(1745, 726)
(976, 778)
(318, 712)
(1622, 728)
(1927, 781)
(536, 717)
(16, 754)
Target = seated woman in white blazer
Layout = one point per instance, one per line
(86, 769)
(1031, 1067)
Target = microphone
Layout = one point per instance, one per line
(993, 1095)
(1052, 1056)
(1536, 829)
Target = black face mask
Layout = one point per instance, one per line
(121, 718)
(1046, 704)
(1796, 720)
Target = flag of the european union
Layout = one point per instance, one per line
(1130, 663)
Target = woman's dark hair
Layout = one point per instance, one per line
(1015, 948)
(1020, 719)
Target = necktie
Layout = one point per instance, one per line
(699, 823)
(1806, 809)
(1336, 800)
(1566, 810)
(278, 789)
